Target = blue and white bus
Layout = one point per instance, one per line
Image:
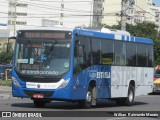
(81, 66)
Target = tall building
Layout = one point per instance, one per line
(112, 9)
(137, 11)
(36, 13)
(3, 14)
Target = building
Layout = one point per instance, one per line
(156, 10)
(112, 11)
(3, 14)
(137, 11)
(19, 14)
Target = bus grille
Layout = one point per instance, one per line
(42, 80)
(46, 94)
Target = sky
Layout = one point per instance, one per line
(157, 2)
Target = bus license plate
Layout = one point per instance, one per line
(38, 96)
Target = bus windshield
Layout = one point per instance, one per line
(42, 57)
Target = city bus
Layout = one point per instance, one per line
(81, 66)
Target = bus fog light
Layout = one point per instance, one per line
(15, 82)
(64, 84)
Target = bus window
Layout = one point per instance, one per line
(120, 53)
(131, 54)
(107, 52)
(96, 51)
(150, 56)
(142, 55)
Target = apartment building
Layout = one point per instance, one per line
(35, 13)
(137, 11)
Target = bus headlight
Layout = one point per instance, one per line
(64, 84)
(15, 82)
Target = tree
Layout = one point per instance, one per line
(6, 56)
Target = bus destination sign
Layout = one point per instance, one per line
(58, 35)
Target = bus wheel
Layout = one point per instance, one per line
(131, 95)
(88, 102)
(39, 104)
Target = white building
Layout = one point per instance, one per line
(156, 10)
(137, 11)
(3, 14)
(34, 13)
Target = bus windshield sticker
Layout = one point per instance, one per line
(68, 45)
(22, 61)
(66, 64)
(31, 60)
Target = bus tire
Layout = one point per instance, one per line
(130, 97)
(87, 103)
(39, 104)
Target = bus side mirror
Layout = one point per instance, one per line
(77, 42)
(8, 43)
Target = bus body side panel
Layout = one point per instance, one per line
(121, 77)
(144, 83)
(98, 73)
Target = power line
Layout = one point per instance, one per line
(145, 11)
(51, 7)
(59, 1)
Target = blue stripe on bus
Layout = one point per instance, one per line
(113, 36)
(98, 73)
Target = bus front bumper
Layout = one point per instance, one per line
(60, 94)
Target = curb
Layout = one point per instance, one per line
(5, 88)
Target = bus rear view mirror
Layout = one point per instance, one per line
(77, 42)
(8, 43)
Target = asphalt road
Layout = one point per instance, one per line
(142, 103)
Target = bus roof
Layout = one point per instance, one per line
(109, 34)
(112, 36)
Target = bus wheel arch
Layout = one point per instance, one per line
(129, 100)
(91, 93)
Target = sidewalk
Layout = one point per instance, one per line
(5, 88)
(5, 92)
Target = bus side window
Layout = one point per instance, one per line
(120, 53)
(107, 52)
(79, 54)
(78, 59)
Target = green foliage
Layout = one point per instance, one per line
(6, 56)
(6, 83)
(147, 30)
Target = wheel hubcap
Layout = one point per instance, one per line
(89, 96)
(130, 96)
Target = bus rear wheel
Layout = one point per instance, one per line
(39, 103)
(131, 94)
(129, 100)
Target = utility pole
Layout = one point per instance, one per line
(91, 13)
(123, 15)
(15, 17)
(61, 13)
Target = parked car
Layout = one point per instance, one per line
(157, 79)
(3, 69)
